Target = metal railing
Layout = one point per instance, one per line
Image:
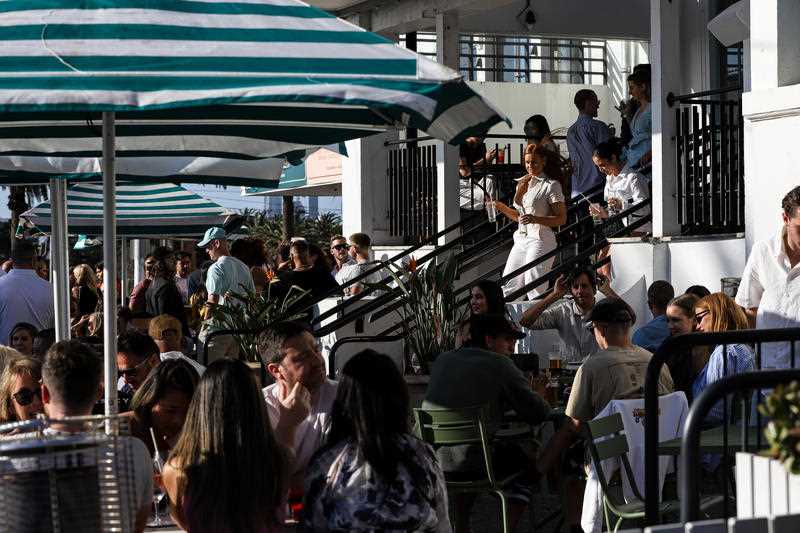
(412, 188)
(690, 447)
(525, 58)
(678, 351)
(709, 156)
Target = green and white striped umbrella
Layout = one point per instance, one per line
(142, 210)
(251, 80)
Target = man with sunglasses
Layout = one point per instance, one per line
(137, 355)
(339, 250)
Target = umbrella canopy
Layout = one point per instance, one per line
(142, 210)
(271, 77)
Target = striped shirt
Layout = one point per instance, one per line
(739, 359)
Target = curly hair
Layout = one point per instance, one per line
(791, 202)
(555, 166)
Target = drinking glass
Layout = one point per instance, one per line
(523, 229)
(158, 491)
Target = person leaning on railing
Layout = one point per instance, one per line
(624, 188)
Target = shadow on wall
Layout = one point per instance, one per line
(636, 296)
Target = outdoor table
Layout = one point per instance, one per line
(711, 441)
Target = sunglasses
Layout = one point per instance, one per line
(699, 316)
(340, 247)
(24, 396)
(125, 372)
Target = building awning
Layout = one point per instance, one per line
(319, 175)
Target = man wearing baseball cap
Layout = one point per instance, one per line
(227, 275)
(482, 373)
(617, 371)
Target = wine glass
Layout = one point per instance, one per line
(158, 490)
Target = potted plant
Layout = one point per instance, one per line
(253, 312)
(768, 483)
(429, 311)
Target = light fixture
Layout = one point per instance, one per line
(527, 17)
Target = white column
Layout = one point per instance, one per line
(365, 195)
(447, 208)
(666, 75)
(764, 44)
(59, 257)
(109, 269)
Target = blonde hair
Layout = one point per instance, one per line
(85, 276)
(725, 314)
(18, 365)
(7, 354)
(161, 323)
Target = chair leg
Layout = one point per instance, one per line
(619, 523)
(605, 514)
(504, 509)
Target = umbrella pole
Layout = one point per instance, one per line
(59, 257)
(109, 270)
(123, 269)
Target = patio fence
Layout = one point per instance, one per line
(739, 416)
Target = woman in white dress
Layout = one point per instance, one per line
(624, 188)
(538, 208)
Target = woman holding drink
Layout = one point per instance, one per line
(624, 188)
(538, 207)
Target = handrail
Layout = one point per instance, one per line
(390, 295)
(684, 344)
(346, 340)
(546, 277)
(488, 136)
(586, 236)
(690, 447)
(672, 99)
(381, 265)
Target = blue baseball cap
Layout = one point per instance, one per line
(212, 234)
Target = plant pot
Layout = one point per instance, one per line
(417, 388)
(764, 487)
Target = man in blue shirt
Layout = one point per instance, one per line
(582, 137)
(654, 333)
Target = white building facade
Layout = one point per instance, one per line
(686, 59)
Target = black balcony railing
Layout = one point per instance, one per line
(411, 186)
(709, 155)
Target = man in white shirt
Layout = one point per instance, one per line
(567, 315)
(292, 356)
(770, 287)
(339, 250)
(24, 295)
(360, 244)
(71, 384)
(183, 268)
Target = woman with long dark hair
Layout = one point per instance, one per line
(638, 152)
(161, 403)
(227, 472)
(486, 298)
(373, 474)
(539, 207)
(624, 188)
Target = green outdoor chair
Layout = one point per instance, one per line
(615, 446)
(452, 427)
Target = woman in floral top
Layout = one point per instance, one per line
(373, 475)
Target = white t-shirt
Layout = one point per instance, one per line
(354, 270)
(631, 188)
(312, 431)
(178, 355)
(25, 297)
(770, 283)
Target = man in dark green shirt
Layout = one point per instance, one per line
(482, 373)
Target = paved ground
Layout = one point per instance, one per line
(486, 514)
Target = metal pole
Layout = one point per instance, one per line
(59, 254)
(123, 269)
(109, 269)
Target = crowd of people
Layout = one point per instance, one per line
(597, 159)
(238, 458)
